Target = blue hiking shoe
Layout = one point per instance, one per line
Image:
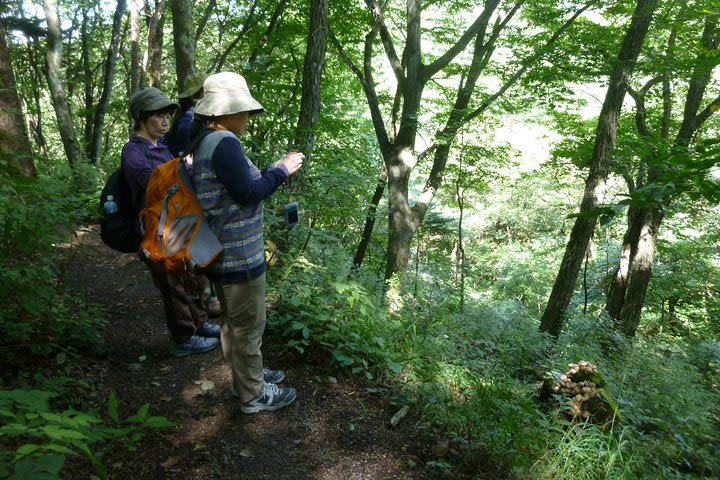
(209, 330)
(195, 344)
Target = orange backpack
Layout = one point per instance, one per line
(174, 230)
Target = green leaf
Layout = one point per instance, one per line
(113, 407)
(46, 467)
(60, 358)
(141, 415)
(57, 433)
(343, 359)
(159, 422)
(13, 429)
(26, 449)
(394, 366)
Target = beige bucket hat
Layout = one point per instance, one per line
(226, 93)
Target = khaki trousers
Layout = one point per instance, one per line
(241, 334)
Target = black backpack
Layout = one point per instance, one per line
(117, 230)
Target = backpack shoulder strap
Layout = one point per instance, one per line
(207, 147)
(210, 141)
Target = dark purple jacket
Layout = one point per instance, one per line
(139, 158)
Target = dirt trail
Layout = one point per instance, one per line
(333, 431)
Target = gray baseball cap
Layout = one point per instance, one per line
(149, 99)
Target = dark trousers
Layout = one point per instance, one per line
(183, 300)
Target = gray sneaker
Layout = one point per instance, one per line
(269, 376)
(271, 397)
(195, 344)
(273, 376)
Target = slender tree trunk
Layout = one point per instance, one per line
(37, 76)
(56, 82)
(14, 142)
(135, 66)
(108, 78)
(155, 45)
(460, 260)
(88, 84)
(150, 72)
(370, 218)
(311, 81)
(564, 286)
(203, 21)
(183, 39)
(272, 24)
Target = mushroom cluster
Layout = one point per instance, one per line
(577, 384)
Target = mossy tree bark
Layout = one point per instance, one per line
(15, 146)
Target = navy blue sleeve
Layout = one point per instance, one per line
(235, 174)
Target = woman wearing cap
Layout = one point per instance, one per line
(231, 191)
(150, 111)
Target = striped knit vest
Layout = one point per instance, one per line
(242, 232)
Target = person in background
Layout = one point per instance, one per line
(178, 137)
(178, 140)
(227, 181)
(150, 111)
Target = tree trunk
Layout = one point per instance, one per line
(37, 77)
(99, 120)
(401, 219)
(641, 270)
(150, 72)
(14, 142)
(564, 286)
(370, 218)
(616, 292)
(203, 21)
(56, 82)
(460, 256)
(155, 45)
(311, 81)
(88, 84)
(183, 40)
(650, 218)
(135, 67)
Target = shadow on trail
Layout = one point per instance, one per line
(332, 431)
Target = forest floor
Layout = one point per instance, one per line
(337, 428)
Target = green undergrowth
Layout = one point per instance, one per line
(473, 379)
(317, 309)
(53, 418)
